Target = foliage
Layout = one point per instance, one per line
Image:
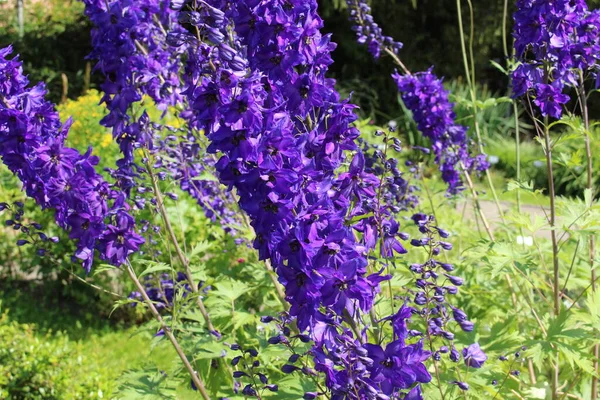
(570, 175)
(50, 26)
(43, 367)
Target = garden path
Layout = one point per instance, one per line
(490, 211)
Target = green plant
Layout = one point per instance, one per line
(41, 367)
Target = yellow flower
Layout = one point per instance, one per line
(106, 140)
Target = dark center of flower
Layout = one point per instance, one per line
(388, 363)
(238, 138)
(211, 98)
(300, 279)
(304, 90)
(295, 245)
(276, 60)
(342, 285)
(120, 239)
(272, 208)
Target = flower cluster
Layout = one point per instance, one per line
(141, 63)
(367, 30)
(57, 177)
(434, 285)
(163, 289)
(424, 95)
(555, 42)
(249, 368)
(397, 191)
(262, 98)
(129, 41)
(181, 156)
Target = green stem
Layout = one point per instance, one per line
(470, 77)
(182, 258)
(592, 239)
(556, 270)
(168, 332)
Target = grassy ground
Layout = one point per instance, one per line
(102, 350)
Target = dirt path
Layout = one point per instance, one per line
(490, 210)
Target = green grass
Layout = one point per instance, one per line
(100, 351)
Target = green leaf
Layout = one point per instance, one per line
(200, 248)
(359, 218)
(242, 318)
(230, 289)
(499, 67)
(155, 267)
(147, 384)
(208, 348)
(103, 268)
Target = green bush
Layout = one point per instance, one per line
(56, 40)
(33, 367)
(569, 172)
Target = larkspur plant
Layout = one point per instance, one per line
(556, 49)
(56, 177)
(249, 80)
(554, 43)
(425, 97)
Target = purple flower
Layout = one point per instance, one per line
(474, 356)
(32, 146)
(398, 366)
(553, 41)
(424, 95)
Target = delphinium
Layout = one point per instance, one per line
(424, 95)
(368, 31)
(554, 43)
(434, 286)
(94, 212)
(141, 63)
(282, 164)
(129, 42)
(162, 289)
(281, 145)
(248, 368)
(184, 162)
(556, 51)
(30, 233)
(399, 190)
(57, 177)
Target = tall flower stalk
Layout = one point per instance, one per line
(590, 187)
(469, 65)
(563, 38)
